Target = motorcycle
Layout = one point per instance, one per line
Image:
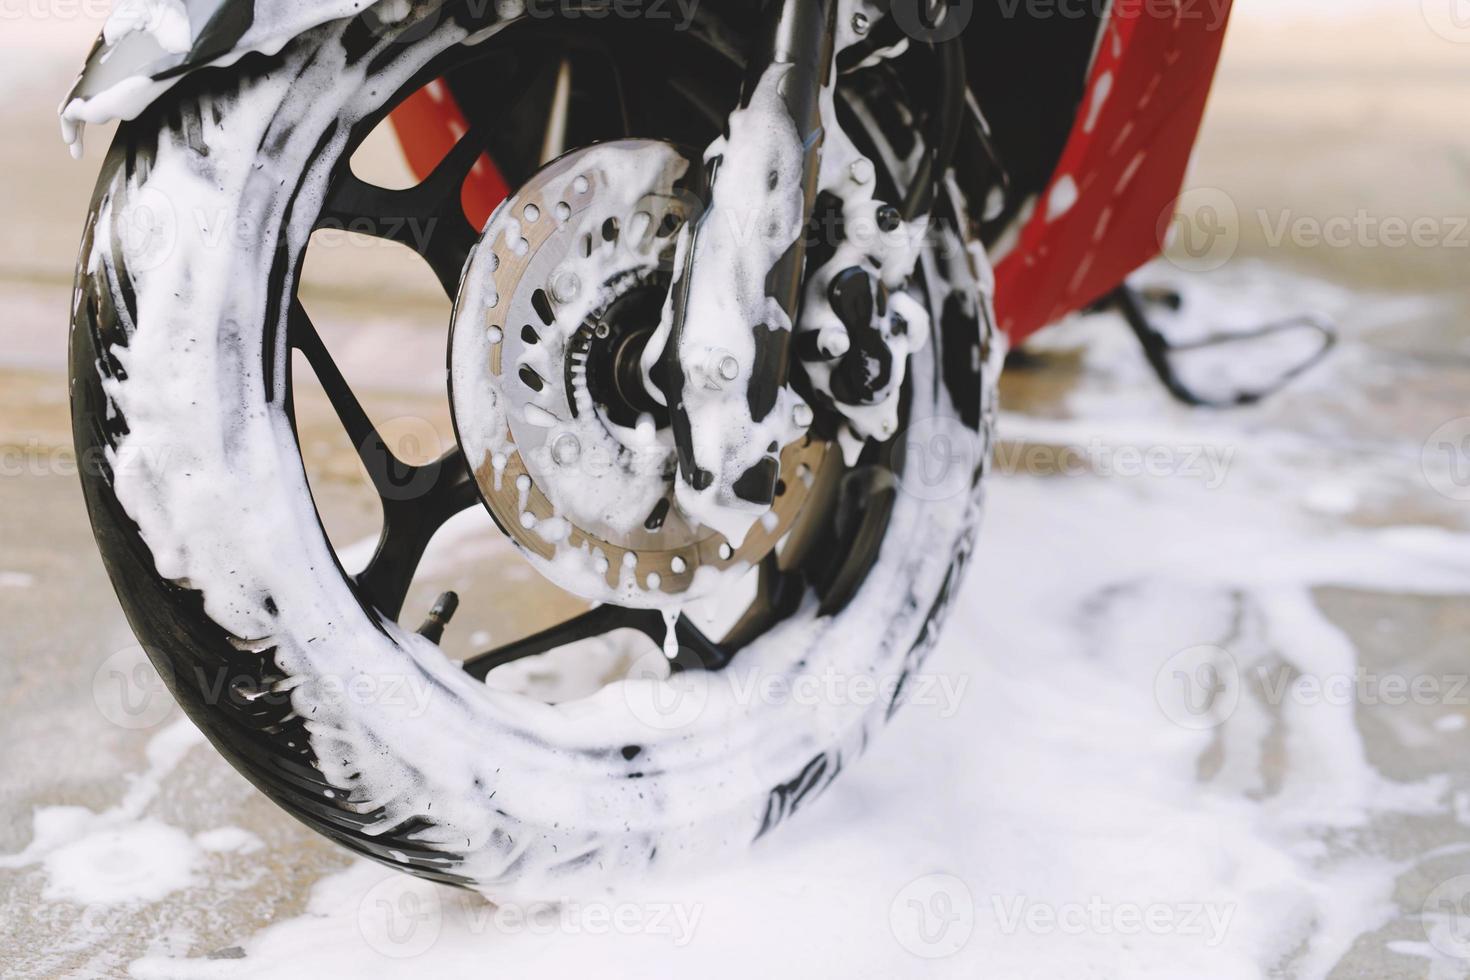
(721, 274)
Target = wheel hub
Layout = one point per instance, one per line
(571, 452)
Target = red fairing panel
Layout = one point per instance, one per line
(1111, 201)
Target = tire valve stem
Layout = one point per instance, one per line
(439, 616)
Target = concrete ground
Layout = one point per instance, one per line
(1369, 117)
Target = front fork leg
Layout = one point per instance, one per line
(723, 364)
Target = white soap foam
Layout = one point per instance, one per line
(1067, 782)
(137, 862)
(167, 21)
(273, 24)
(231, 515)
(121, 854)
(1068, 806)
(229, 840)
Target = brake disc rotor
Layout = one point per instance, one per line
(570, 454)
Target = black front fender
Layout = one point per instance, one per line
(145, 48)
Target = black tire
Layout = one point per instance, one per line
(251, 695)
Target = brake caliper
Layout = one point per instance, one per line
(859, 324)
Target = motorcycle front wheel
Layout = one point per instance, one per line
(181, 351)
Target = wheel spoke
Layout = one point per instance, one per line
(594, 622)
(384, 469)
(554, 140)
(438, 193)
(778, 594)
(416, 500)
(696, 651)
(585, 100)
(426, 217)
(413, 511)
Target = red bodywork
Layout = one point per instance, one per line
(1110, 202)
(1126, 158)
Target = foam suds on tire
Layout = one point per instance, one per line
(526, 797)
